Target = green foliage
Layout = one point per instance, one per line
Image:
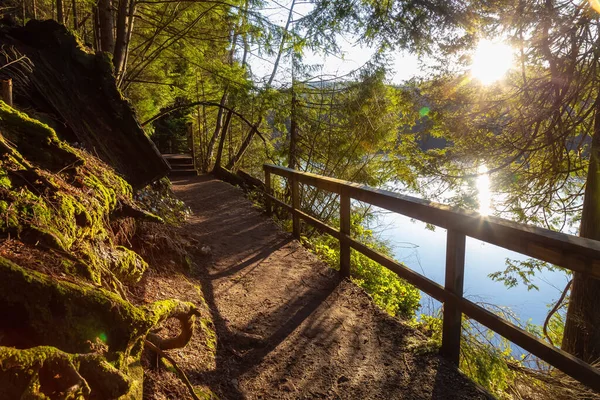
(417, 26)
(388, 291)
(523, 272)
(171, 130)
(360, 122)
(536, 130)
(556, 327)
(484, 357)
(487, 363)
(432, 326)
(158, 198)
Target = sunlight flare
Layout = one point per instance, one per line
(484, 195)
(491, 61)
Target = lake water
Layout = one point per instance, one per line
(424, 251)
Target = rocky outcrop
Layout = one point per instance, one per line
(63, 84)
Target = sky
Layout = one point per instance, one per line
(490, 60)
(352, 57)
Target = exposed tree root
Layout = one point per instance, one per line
(46, 370)
(182, 374)
(186, 314)
(71, 323)
(127, 210)
(67, 329)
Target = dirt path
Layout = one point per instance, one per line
(287, 329)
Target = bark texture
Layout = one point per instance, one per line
(107, 26)
(582, 329)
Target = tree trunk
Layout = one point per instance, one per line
(75, 21)
(59, 12)
(202, 123)
(246, 143)
(130, 20)
(97, 39)
(106, 22)
(222, 141)
(121, 40)
(582, 329)
(293, 159)
(213, 139)
(34, 9)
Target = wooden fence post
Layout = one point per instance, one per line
(7, 96)
(295, 206)
(268, 205)
(455, 273)
(344, 233)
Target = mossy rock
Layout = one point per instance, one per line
(78, 89)
(36, 141)
(72, 320)
(61, 198)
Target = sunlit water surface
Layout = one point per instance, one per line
(424, 251)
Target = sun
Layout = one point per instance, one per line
(491, 61)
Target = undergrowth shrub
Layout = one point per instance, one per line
(158, 198)
(391, 293)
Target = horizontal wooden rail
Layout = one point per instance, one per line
(572, 252)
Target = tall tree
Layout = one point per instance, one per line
(537, 131)
(106, 26)
(59, 12)
(285, 35)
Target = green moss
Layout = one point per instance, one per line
(107, 197)
(9, 220)
(4, 180)
(40, 132)
(28, 358)
(91, 260)
(210, 336)
(128, 266)
(205, 394)
(32, 137)
(19, 370)
(40, 236)
(22, 369)
(75, 221)
(159, 309)
(83, 313)
(69, 216)
(62, 199)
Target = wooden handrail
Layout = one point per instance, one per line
(571, 252)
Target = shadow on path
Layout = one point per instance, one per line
(287, 327)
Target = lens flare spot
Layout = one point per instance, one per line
(102, 337)
(423, 112)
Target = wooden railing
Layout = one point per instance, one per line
(572, 252)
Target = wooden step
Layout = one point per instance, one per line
(183, 172)
(178, 158)
(180, 161)
(182, 166)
